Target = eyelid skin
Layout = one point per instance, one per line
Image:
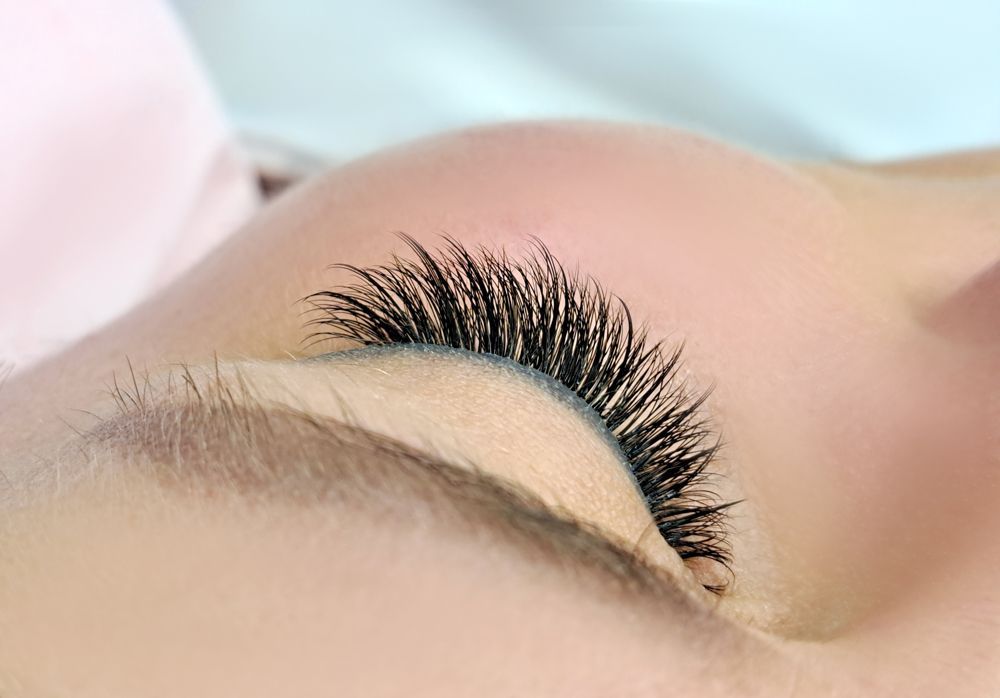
(539, 381)
(536, 314)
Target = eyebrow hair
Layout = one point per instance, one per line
(215, 437)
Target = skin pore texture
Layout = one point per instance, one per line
(844, 317)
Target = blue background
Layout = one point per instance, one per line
(860, 80)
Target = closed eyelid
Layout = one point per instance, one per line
(216, 440)
(534, 312)
(530, 378)
(217, 435)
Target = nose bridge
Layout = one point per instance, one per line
(971, 314)
(927, 236)
(951, 268)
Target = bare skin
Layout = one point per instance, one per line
(845, 315)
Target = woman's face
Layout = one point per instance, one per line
(237, 520)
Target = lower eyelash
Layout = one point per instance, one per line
(534, 312)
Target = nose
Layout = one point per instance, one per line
(935, 237)
(971, 314)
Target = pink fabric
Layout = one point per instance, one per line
(117, 172)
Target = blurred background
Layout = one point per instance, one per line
(856, 79)
(139, 134)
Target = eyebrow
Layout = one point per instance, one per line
(216, 437)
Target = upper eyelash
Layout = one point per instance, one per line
(534, 312)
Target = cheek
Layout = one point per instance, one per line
(908, 447)
(858, 440)
(778, 314)
(791, 318)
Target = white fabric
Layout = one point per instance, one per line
(117, 169)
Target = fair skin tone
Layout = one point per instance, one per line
(840, 313)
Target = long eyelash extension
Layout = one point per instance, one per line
(532, 311)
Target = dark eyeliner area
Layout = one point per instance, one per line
(533, 313)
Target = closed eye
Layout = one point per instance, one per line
(565, 326)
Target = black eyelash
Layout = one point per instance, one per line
(534, 312)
